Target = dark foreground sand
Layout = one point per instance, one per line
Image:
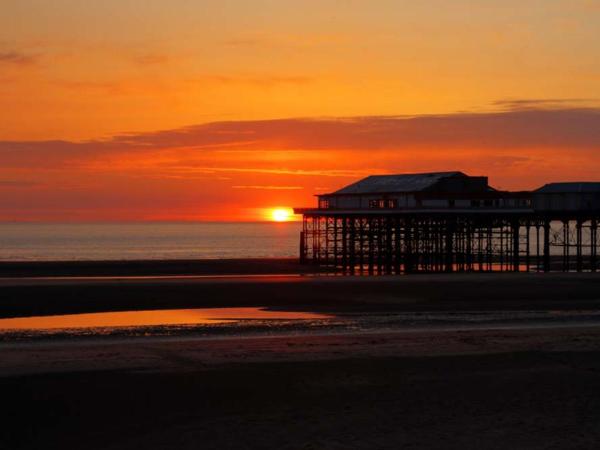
(513, 389)
(521, 387)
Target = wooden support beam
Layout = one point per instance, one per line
(579, 244)
(593, 245)
(515, 245)
(449, 246)
(547, 245)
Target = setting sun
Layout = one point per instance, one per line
(281, 214)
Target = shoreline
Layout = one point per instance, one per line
(23, 297)
(501, 375)
(149, 267)
(182, 267)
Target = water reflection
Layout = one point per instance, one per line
(152, 317)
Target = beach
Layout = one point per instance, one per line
(79, 287)
(426, 390)
(423, 361)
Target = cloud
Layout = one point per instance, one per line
(546, 103)
(17, 58)
(288, 41)
(100, 87)
(151, 59)
(18, 184)
(243, 42)
(268, 188)
(256, 80)
(190, 167)
(570, 130)
(149, 86)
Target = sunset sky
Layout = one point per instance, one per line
(222, 110)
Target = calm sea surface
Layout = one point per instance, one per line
(123, 241)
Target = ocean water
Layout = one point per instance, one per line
(128, 241)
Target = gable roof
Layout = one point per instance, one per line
(409, 182)
(569, 188)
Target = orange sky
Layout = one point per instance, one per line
(154, 110)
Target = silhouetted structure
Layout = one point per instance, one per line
(449, 221)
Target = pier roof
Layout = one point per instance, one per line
(569, 188)
(411, 182)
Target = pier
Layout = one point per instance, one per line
(450, 222)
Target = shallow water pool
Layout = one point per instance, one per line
(153, 317)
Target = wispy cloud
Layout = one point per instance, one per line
(101, 87)
(17, 58)
(256, 80)
(258, 170)
(288, 40)
(149, 86)
(18, 184)
(544, 103)
(151, 59)
(268, 188)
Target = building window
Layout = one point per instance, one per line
(451, 203)
(323, 203)
(475, 203)
(383, 203)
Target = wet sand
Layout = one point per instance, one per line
(155, 267)
(533, 383)
(445, 292)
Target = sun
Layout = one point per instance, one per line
(281, 214)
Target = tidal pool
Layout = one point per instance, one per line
(152, 317)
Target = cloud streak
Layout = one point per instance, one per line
(151, 59)
(572, 129)
(546, 103)
(17, 58)
(263, 81)
(268, 188)
(17, 184)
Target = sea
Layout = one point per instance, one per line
(158, 241)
